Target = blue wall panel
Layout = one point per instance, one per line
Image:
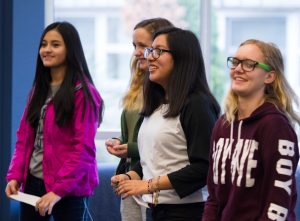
(28, 24)
(21, 24)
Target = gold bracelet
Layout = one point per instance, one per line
(157, 185)
(155, 194)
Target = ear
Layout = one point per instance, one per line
(270, 77)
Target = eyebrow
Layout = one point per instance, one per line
(52, 41)
(140, 43)
(160, 46)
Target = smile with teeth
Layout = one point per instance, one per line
(152, 68)
(239, 79)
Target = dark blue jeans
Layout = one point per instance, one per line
(148, 214)
(69, 208)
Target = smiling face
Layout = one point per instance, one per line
(160, 69)
(251, 83)
(53, 50)
(141, 39)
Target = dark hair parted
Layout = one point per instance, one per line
(76, 72)
(188, 75)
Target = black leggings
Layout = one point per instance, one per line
(178, 212)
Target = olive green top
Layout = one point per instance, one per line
(130, 125)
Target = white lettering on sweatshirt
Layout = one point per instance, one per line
(283, 167)
(241, 158)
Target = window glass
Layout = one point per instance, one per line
(105, 28)
(245, 27)
(234, 21)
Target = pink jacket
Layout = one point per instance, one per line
(69, 160)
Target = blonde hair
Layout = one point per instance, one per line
(279, 92)
(133, 99)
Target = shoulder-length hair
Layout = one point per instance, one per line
(188, 75)
(76, 72)
(279, 92)
(133, 99)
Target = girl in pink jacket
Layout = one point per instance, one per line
(55, 154)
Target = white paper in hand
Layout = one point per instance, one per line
(25, 198)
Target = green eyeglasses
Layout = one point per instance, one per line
(247, 64)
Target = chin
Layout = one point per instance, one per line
(143, 66)
(240, 93)
(47, 65)
(236, 90)
(153, 79)
(238, 87)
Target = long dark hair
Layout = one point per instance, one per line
(188, 75)
(76, 71)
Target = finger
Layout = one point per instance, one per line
(122, 190)
(119, 191)
(40, 209)
(8, 193)
(123, 181)
(110, 149)
(114, 179)
(44, 210)
(124, 196)
(114, 185)
(8, 190)
(38, 202)
(14, 189)
(50, 209)
(113, 151)
(39, 206)
(107, 142)
(110, 142)
(119, 147)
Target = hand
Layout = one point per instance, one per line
(46, 203)
(112, 142)
(115, 147)
(12, 187)
(132, 188)
(115, 180)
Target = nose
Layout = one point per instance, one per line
(47, 48)
(239, 68)
(150, 57)
(138, 52)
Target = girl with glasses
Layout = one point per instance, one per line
(126, 146)
(254, 149)
(179, 113)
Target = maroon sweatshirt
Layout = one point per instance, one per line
(252, 168)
